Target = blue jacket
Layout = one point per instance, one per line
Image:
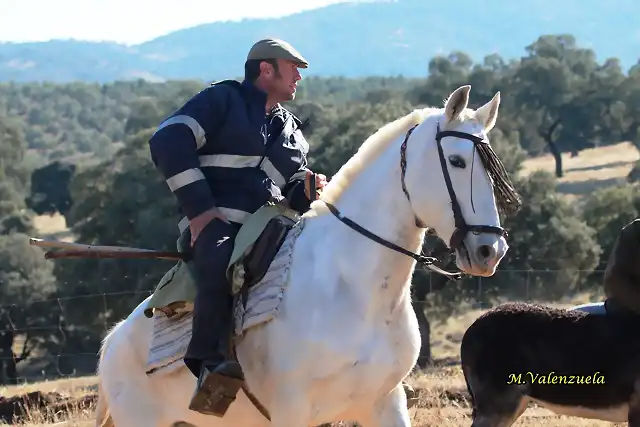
(222, 149)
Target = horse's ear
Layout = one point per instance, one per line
(488, 113)
(457, 102)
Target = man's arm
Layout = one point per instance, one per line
(175, 144)
(294, 190)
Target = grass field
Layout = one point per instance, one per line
(442, 403)
(590, 169)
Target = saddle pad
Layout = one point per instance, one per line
(171, 336)
(169, 342)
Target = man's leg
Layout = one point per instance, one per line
(207, 354)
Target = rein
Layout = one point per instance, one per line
(462, 228)
(421, 259)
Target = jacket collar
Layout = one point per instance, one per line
(253, 93)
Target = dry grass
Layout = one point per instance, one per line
(72, 387)
(67, 408)
(52, 227)
(50, 224)
(73, 415)
(442, 403)
(590, 169)
(443, 399)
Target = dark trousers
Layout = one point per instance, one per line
(212, 314)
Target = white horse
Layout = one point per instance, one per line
(346, 335)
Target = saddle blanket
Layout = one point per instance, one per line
(171, 335)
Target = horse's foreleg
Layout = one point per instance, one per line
(389, 411)
(290, 407)
(133, 406)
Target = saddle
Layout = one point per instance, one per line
(253, 265)
(253, 254)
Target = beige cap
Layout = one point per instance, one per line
(276, 49)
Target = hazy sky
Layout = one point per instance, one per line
(129, 21)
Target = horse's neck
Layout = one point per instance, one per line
(375, 201)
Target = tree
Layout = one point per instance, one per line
(607, 210)
(50, 188)
(25, 278)
(547, 234)
(564, 99)
(12, 150)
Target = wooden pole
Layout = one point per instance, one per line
(78, 250)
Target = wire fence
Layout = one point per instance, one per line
(60, 337)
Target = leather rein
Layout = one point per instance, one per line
(462, 228)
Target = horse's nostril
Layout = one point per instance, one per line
(485, 251)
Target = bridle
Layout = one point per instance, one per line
(462, 228)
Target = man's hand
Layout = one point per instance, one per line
(198, 223)
(321, 182)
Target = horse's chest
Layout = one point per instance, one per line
(374, 367)
(383, 359)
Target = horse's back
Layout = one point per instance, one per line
(135, 328)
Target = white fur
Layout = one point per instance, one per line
(346, 335)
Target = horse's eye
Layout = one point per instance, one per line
(457, 162)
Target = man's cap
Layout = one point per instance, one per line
(276, 49)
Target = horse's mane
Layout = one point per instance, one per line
(507, 198)
(368, 151)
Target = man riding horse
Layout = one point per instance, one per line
(225, 153)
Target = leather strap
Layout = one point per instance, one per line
(313, 190)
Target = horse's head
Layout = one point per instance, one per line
(457, 184)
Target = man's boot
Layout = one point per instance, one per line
(217, 388)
